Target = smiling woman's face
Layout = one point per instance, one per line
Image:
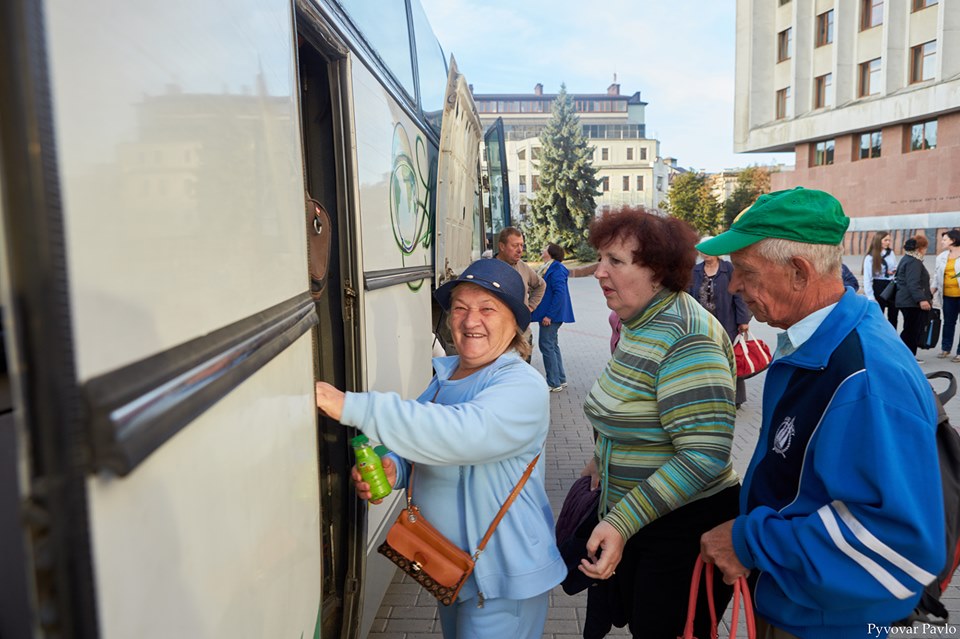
(482, 326)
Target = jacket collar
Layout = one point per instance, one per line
(445, 366)
(847, 314)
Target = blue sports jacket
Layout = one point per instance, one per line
(556, 300)
(842, 501)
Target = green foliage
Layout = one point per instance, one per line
(563, 206)
(752, 182)
(689, 199)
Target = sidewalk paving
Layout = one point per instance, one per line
(407, 612)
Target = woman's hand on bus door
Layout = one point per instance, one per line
(363, 488)
(330, 400)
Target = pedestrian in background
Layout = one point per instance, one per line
(711, 287)
(913, 290)
(615, 323)
(510, 250)
(946, 289)
(662, 413)
(879, 267)
(849, 279)
(553, 312)
(841, 521)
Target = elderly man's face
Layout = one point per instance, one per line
(766, 287)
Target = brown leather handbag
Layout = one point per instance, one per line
(421, 551)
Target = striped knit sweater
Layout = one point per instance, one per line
(663, 410)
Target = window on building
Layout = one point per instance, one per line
(923, 4)
(783, 2)
(535, 183)
(784, 44)
(535, 153)
(823, 153)
(870, 143)
(823, 91)
(783, 103)
(643, 153)
(523, 210)
(923, 135)
(639, 182)
(923, 61)
(825, 28)
(629, 153)
(522, 154)
(659, 182)
(869, 78)
(626, 182)
(605, 184)
(604, 154)
(523, 183)
(871, 14)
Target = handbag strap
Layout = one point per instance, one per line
(741, 591)
(503, 509)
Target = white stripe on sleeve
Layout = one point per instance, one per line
(875, 570)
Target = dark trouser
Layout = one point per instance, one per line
(890, 308)
(651, 586)
(741, 396)
(912, 321)
(951, 310)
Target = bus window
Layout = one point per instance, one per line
(431, 67)
(384, 25)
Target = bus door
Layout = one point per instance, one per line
(158, 308)
(323, 77)
(499, 188)
(458, 184)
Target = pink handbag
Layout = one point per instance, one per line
(740, 591)
(751, 354)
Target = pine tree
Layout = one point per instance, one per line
(564, 204)
(689, 199)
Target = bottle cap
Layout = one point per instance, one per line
(381, 450)
(359, 440)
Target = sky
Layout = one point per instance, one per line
(678, 54)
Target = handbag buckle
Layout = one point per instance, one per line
(411, 516)
(416, 566)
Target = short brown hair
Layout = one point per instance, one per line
(922, 242)
(665, 244)
(556, 252)
(507, 233)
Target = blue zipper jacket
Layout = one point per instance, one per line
(843, 509)
(471, 445)
(556, 300)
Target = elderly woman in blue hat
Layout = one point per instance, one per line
(472, 433)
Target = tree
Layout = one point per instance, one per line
(752, 182)
(563, 206)
(690, 200)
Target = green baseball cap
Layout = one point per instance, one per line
(799, 214)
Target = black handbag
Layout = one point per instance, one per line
(930, 329)
(889, 294)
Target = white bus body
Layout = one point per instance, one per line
(163, 470)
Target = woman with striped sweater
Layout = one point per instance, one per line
(662, 412)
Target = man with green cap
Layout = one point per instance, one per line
(839, 529)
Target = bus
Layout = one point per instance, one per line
(206, 207)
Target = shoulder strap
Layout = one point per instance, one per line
(506, 506)
(503, 509)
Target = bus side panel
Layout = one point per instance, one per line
(394, 163)
(216, 534)
(179, 151)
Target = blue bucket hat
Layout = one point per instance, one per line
(499, 278)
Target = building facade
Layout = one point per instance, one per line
(629, 165)
(866, 93)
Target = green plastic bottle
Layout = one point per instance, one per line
(371, 470)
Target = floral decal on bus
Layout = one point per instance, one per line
(410, 195)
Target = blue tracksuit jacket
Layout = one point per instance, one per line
(842, 501)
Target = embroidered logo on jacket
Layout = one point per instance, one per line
(781, 443)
